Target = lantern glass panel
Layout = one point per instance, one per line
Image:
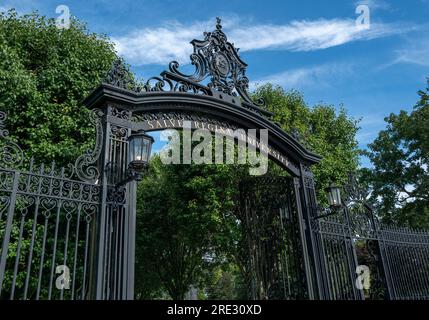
(131, 149)
(138, 148)
(337, 196)
(334, 196)
(145, 149)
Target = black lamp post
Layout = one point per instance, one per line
(334, 196)
(140, 145)
(334, 201)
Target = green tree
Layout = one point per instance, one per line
(399, 179)
(321, 129)
(45, 73)
(186, 224)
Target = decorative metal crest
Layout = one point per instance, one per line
(218, 59)
(214, 59)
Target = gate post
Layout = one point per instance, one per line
(97, 254)
(112, 275)
(132, 201)
(314, 245)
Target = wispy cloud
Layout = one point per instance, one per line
(365, 137)
(158, 45)
(415, 53)
(373, 119)
(320, 75)
(163, 44)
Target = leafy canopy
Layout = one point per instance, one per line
(321, 129)
(45, 73)
(400, 176)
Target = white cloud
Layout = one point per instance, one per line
(415, 53)
(373, 119)
(306, 35)
(321, 75)
(157, 45)
(162, 44)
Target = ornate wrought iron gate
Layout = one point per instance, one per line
(397, 258)
(405, 256)
(47, 217)
(70, 233)
(273, 229)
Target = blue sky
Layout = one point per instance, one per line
(312, 46)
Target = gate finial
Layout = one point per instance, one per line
(218, 23)
(120, 76)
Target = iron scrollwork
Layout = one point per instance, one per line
(215, 59)
(85, 165)
(218, 59)
(10, 153)
(119, 76)
(46, 206)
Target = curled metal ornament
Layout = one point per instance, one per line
(85, 165)
(11, 155)
(215, 60)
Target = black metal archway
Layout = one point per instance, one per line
(214, 97)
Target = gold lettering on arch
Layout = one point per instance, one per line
(172, 123)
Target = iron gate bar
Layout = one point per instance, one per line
(302, 228)
(352, 260)
(318, 274)
(6, 238)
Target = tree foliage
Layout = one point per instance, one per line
(321, 129)
(45, 73)
(186, 224)
(400, 155)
